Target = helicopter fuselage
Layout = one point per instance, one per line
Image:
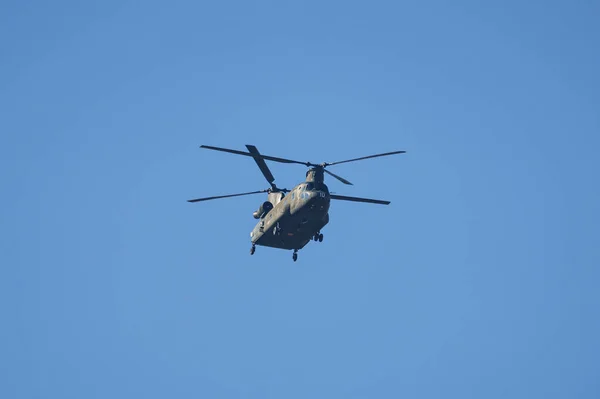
(292, 221)
(295, 219)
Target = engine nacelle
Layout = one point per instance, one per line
(265, 208)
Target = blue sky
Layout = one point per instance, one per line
(478, 281)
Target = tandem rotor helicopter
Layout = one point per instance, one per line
(292, 221)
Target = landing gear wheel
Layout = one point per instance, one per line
(320, 237)
(295, 255)
(252, 250)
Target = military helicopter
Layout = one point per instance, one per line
(291, 221)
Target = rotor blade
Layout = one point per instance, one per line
(367, 157)
(356, 199)
(262, 165)
(267, 157)
(226, 196)
(338, 177)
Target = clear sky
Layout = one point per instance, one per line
(478, 281)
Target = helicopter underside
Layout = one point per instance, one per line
(290, 231)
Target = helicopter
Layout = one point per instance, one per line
(291, 221)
